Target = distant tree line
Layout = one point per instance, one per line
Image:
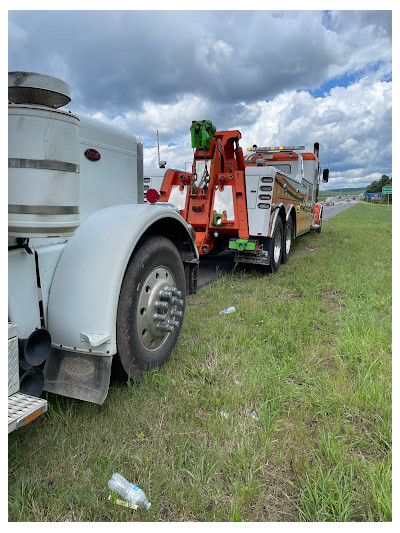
(376, 186)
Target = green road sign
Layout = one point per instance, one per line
(386, 190)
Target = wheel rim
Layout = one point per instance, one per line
(277, 244)
(288, 242)
(159, 310)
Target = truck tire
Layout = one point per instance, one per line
(154, 284)
(287, 240)
(276, 246)
(320, 220)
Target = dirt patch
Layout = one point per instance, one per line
(278, 494)
(333, 300)
(289, 295)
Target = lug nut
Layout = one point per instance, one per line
(165, 294)
(176, 301)
(177, 313)
(165, 327)
(162, 305)
(173, 323)
(174, 291)
(157, 316)
(170, 289)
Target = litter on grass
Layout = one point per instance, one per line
(227, 311)
(124, 504)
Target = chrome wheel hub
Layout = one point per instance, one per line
(288, 243)
(160, 308)
(277, 244)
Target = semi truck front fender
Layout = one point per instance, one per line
(84, 293)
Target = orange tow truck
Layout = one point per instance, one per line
(254, 205)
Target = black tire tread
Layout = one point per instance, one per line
(130, 361)
(285, 256)
(273, 267)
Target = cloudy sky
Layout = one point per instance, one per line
(280, 77)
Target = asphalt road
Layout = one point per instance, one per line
(212, 267)
(332, 210)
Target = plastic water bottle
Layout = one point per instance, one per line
(226, 311)
(129, 492)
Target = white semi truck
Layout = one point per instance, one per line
(97, 279)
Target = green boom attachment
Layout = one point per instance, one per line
(242, 245)
(202, 132)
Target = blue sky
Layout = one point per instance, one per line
(280, 77)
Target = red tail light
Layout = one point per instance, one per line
(152, 196)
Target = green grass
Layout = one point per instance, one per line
(280, 411)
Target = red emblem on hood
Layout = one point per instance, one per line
(92, 154)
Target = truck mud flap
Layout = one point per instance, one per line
(76, 375)
(191, 274)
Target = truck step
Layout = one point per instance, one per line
(22, 409)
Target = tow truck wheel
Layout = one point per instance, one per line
(150, 308)
(287, 240)
(276, 246)
(320, 220)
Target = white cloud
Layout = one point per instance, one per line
(343, 180)
(249, 70)
(166, 118)
(177, 156)
(365, 38)
(212, 55)
(121, 58)
(351, 124)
